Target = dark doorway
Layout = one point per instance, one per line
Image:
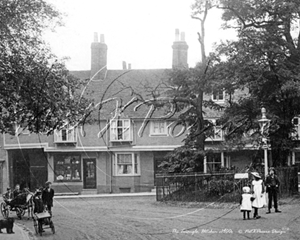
(89, 173)
(28, 167)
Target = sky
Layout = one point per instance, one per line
(140, 32)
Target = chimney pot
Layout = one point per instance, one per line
(182, 36)
(102, 38)
(124, 65)
(129, 66)
(176, 35)
(95, 37)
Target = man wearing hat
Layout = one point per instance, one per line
(47, 196)
(272, 183)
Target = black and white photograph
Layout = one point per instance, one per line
(149, 119)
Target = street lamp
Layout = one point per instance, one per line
(264, 124)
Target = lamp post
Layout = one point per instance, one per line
(264, 124)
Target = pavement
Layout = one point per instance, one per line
(22, 233)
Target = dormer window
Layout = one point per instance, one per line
(218, 96)
(120, 130)
(65, 135)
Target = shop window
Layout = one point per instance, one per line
(120, 130)
(67, 168)
(126, 164)
(158, 128)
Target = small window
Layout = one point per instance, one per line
(217, 133)
(296, 131)
(65, 135)
(218, 96)
(120, 130)
(67, 168)
(213, 163)
(126, 164)
(158, 128)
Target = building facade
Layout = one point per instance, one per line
(121, 148)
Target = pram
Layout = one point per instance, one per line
(41, 221)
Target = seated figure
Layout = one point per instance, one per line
(8, 196)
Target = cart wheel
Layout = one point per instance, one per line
(52, 227)
(4, 210)
(35, 224)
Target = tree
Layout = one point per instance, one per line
(184, 95)
(264, 60)
(36, 90)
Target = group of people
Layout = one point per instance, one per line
(255, 197)
(42, 198)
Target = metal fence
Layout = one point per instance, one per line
(207, 187)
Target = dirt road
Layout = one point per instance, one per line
(144, 218)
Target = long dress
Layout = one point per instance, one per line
(259, 200)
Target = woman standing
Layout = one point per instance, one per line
(258, 190)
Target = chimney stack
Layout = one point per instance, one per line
(98, 56)
(180, 51)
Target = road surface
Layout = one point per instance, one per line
(135, 218)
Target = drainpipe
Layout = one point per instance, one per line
(111, 159)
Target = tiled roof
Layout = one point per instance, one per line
(121, 85)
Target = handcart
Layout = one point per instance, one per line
(20, 204)
(42, 221)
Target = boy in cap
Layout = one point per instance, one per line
(272, 183)
(246, 202)
(47, 196)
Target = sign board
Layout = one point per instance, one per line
(241, 175)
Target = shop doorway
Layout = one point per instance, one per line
(89, 173)
(28, 167)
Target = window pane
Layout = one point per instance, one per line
(64, 135)
(120, 123)
(113, 124)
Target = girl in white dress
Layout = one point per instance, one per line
(246, 205)
(258, 193)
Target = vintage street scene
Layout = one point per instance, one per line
(174, 119)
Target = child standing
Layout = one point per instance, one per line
(246, 202)
(258, 194)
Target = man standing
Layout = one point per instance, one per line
(47, 196)
(272, 183)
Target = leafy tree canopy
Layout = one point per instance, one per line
(264, 60)
(36, 90)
